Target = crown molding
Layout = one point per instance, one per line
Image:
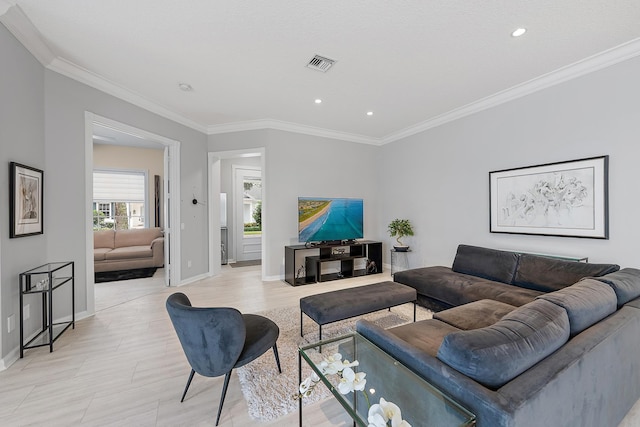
(588, 65)
(291, 127)
(5, 5)
(12, 16)
(73, 71)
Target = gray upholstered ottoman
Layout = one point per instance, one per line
(333, 306)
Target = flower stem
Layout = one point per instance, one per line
(366, 397)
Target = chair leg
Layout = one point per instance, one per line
(224, 393)
(188, 384)
(275, 353)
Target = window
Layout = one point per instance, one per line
(119, 199)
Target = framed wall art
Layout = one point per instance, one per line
(25, 200)
(556, 199)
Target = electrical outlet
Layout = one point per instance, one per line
(11, 323)
(189, 264)
(26, 312)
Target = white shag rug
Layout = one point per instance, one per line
(270, 395)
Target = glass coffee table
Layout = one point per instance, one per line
(420, 403)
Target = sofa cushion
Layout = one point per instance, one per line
(475, 315)
(586, 303)
(551, 274)
(136, 237)
(496, 354)
(625, 283)
(99, 254)
(507, 294)
(129, 252)
(104, 239)
(440, 283)
(425, 335)
(487, 263)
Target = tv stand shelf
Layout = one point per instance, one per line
(303, 263)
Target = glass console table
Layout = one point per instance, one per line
(43, 281)
(420, 402)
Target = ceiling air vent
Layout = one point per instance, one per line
(320, 63)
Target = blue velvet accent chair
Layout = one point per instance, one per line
(218, 339)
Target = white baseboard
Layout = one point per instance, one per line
(9, 359)
(14, 354)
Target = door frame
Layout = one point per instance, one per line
(214, 158)
(172, 215)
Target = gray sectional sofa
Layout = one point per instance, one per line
(528, 340)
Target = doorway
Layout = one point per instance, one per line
(220, 177)
(103, 128)
(247, 236)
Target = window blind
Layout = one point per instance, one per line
(116, 186)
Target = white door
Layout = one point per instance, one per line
(248, 224)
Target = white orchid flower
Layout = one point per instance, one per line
(305, 386)
(308, 384)
(332, 364)
(345, 385)
(359, 381)
(380, 414)
(347, 364)
(375, 418)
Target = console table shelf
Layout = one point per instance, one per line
(309, 269)
(44, 280)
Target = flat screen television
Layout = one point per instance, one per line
(324, 219)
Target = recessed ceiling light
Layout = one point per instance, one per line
(185, 87)
(318, 101)
(519, 32)
(369, 113)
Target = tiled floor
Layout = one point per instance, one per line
(124, 366)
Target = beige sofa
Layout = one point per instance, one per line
(127, 249)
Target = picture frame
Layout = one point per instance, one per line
(26, 197)
(568, 199)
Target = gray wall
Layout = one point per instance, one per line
(43, 125)
(66, 101)
(21, 140)
(303, 165)
(443, 185)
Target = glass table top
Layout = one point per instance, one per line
(420, 403)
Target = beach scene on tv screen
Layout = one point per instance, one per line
(324, 219)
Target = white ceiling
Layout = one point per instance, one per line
(414, 63)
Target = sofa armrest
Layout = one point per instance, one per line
(157, 247)
(490, 407)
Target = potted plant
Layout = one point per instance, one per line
(399, 228)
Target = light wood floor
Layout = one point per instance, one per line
(124, 366)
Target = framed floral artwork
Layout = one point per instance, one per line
(25, 200)
(556, 199)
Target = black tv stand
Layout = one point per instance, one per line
(330, 243)
(303, 263)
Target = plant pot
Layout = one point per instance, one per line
(401, 248)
